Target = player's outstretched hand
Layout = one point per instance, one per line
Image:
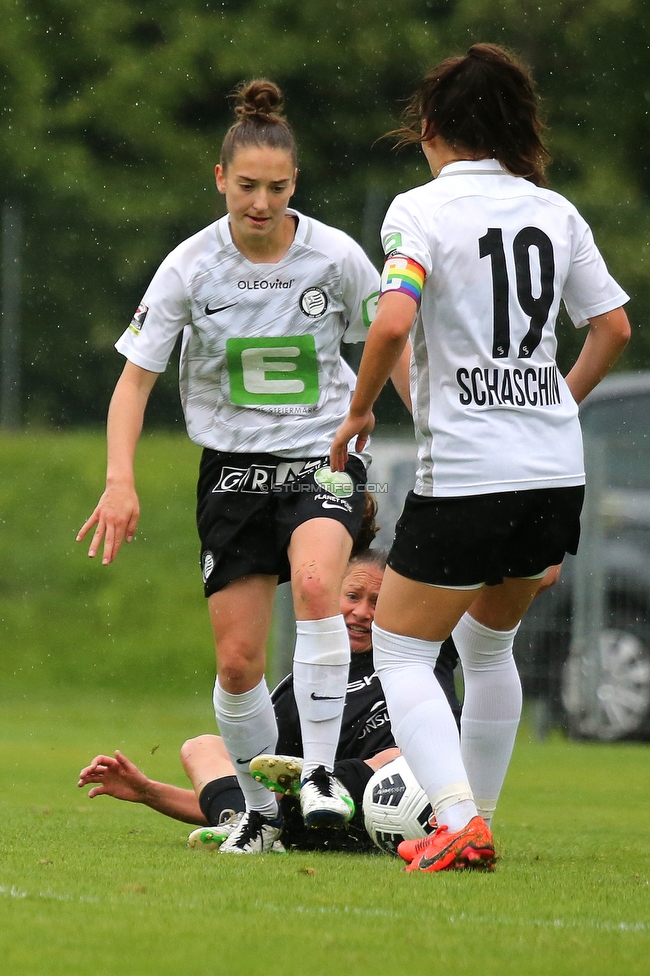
(361, 427)
(116, 518)
(117, 776)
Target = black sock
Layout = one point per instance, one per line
(219, 795)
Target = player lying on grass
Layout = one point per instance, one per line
(365, 744)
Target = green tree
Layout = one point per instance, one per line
(113, 113)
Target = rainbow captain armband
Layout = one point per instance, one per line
(404, 275)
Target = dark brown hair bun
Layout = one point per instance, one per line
(261, 98)
(260, 122)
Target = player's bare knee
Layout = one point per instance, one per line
(195, 749)
(314, 596)
(238, 675)
(190, 748)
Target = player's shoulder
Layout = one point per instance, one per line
(204, 243)
(421, 200)
(552, 197)
(328, 240)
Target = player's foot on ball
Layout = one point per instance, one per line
(211, 838)
(324, 801)
(469, 848)
(280, 774)
(255, 834)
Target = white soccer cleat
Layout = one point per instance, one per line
(211, 838)
(279, 774)
(324, 801)
(255, 834)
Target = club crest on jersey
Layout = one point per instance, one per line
(208, 565)
(258, 478)
(337, 483)
(138, 319)
(313, 302)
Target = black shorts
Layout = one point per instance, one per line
(248, 506)
(473, 539)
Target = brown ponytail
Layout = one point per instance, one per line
(369, 527)
(484, 104)
(260, 122)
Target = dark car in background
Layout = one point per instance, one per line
(583, 649)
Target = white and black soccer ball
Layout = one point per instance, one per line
(395, 807)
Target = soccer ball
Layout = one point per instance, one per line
(395, 808)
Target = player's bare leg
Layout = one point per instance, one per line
(205, 758)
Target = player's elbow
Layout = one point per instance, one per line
(615, 325)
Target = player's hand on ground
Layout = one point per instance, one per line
(358, 426)
(117, 776)
(116, 519)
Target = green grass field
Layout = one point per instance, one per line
(104, 887)
(96, 658)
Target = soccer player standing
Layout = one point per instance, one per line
(477, 263)
(263, 298)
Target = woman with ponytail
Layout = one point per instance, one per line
(477, 263)
(263, 298)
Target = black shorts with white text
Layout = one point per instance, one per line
(248, 506)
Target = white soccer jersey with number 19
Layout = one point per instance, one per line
(260, 367)
(497, 255)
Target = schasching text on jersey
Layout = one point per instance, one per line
(534, 387)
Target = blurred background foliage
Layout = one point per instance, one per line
(113, 114)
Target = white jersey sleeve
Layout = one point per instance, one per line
(403, 233)
(589, 289)
(160, 318)
(360, 290)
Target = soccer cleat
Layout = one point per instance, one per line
(410, 849)
(472, 847)
(254, 834)
(324, 801)
(280, 774)
(211, 838)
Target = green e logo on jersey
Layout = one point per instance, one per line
(369, 307)
(393, 242)
(273, 370)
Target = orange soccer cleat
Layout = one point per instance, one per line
(472, 847)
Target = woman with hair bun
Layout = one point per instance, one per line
(263, 298)
(477, 263)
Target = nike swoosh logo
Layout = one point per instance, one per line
(316, 697)
(221, 308)
(244, 762)
(339, 508)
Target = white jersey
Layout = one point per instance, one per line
(260, 366)
(496, 256)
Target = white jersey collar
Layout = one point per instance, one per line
(303, 229)
(474, 167)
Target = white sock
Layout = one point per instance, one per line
(320, 679)
(491, 709)
(248, 728)
(423, 724)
